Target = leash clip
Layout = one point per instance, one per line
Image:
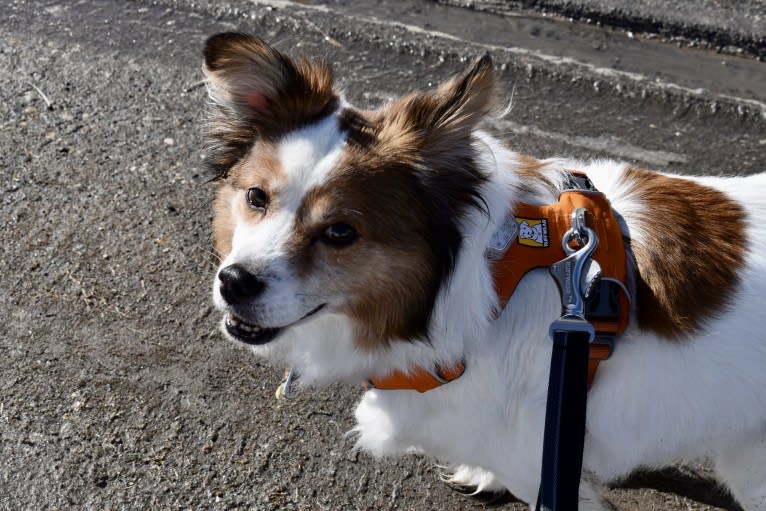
(568, 272)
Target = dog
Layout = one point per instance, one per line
(353, 246)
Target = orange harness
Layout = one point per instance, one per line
(537, 244)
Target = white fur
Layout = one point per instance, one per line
(653, 403)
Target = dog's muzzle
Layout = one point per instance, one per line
(238, 286)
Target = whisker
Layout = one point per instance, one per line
(213, 256)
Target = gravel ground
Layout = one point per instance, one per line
(117, 390)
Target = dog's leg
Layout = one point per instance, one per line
(591, 495)
(743, 468)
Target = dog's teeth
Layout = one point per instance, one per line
(235, 322)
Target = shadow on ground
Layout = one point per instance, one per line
(685, 482)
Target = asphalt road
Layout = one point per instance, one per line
(731, 26)
(116, 391)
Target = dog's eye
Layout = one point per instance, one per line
(339, 235)
(257, 198)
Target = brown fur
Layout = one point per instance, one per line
(409, 168)
(259, 93)
(223, 221)
(388, 276)
(438, 123)
(533, 182)
(690, 255)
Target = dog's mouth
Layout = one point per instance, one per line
(250, 333)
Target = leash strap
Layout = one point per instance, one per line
(565, 422)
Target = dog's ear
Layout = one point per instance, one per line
(258, 92)
(448, 113)
(463, 101)
(259, 83)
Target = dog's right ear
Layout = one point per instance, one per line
(258, 92)
(259, 83)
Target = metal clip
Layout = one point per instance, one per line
(568, 272)
(284, 391)
(578, 228)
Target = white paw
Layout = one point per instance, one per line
(472, 477)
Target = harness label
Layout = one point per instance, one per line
(533, 232)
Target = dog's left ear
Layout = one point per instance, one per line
(466, 99)
(447, 114)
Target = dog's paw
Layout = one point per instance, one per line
(471, 480)
(478, 484)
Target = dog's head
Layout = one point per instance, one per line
(323, 208)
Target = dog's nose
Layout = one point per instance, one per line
(238, 284)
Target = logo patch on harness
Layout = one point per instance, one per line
(533, 232)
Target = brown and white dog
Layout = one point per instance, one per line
(353, 245)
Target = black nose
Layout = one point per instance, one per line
(238, 284)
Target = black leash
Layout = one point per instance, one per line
(564, 435)
(565, 422)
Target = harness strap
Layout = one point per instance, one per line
(600, 350)
(418, 378)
